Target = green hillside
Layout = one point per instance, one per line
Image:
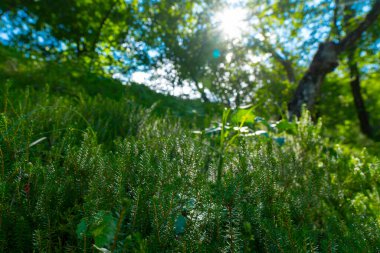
(87, 163)
(72, 79)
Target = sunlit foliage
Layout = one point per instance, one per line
(92, 159)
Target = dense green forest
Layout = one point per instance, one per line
(189, 126)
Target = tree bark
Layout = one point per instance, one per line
(324, 62)
(358, 98)
(335, 26)
(365, 127)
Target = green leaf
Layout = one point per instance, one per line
(286, 126)
(81, 229)
(280, 140)
(103, 229)
(243, 115)
(180, 225)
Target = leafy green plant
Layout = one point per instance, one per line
(243, 123)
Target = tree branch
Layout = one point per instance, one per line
(356, 34)
(284, 62)
(335, 19)
(324, 62)
(102, 23)
(201, 91)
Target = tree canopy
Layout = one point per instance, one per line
(263, 63)
(277, 42)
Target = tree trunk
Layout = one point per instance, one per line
(325, 61)
(358, 98)
(201, 91)
(365, 127)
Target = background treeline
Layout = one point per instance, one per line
(335, 44)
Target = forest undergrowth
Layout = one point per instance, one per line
(84, 172)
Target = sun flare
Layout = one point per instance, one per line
(232, 21)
